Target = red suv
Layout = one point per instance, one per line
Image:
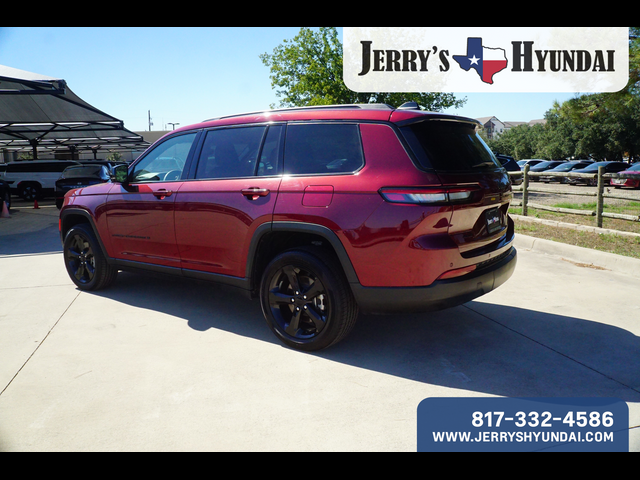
(321, 213)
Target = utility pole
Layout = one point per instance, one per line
(150, 122)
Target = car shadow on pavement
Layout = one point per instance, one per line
(484, 348)
(203, 305)
(501, 350)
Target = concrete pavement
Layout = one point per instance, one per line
(158, 364)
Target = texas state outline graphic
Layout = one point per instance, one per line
(486, 61)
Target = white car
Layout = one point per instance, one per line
(35, 179)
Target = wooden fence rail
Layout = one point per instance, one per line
(601, 196)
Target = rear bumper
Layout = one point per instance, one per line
(439, 296)
(625, 182)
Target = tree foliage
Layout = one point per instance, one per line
(602, 126)
(308, 71)
(608, 134)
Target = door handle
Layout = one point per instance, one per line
(255, 193)
(162, 194)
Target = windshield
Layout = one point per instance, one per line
(566, 167)
(449, 147)
(545, 164)
(596, 166)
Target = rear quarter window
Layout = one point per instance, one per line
(449, 147)
(323, 149)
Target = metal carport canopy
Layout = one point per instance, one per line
(42, 112)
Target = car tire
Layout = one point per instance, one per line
(30, 192)
(307, 301)
(86, 264)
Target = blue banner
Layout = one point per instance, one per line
(523, 425)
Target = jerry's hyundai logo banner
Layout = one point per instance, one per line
(486, 59)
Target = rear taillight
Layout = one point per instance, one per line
(432, 196)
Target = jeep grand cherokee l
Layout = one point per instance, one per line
(321, 213)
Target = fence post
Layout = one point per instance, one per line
(600, 209)
(525, 192)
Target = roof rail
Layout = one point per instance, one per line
(367, 106)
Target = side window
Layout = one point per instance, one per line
(270, 156)
(323, 149)
(165, 162)
(230, 153)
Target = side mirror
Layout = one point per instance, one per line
(120, 174)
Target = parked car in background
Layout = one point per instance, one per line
(531, 163)
(320, 213)
(565, 168)
(609, 167)
(33, 180)
(107, 163)
(511, 165)
(543, 167)
(628, 182)
(80, 176)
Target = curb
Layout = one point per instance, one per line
(583, 256)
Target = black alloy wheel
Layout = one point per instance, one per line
(81, 260)
(86, 264)
(299, 301)
(307, 301)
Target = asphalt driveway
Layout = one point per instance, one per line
(157, 364)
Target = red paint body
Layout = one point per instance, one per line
(210, 225)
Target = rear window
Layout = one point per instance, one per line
(39, 167)
(449, 147)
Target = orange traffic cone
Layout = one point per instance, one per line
(5, 210)
(35, 205)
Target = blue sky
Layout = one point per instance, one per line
(187, 74)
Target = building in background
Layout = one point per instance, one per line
(494, 127)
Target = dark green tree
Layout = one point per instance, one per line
(521, 142)
(603, 126)
(308, 71)
(607, 125)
